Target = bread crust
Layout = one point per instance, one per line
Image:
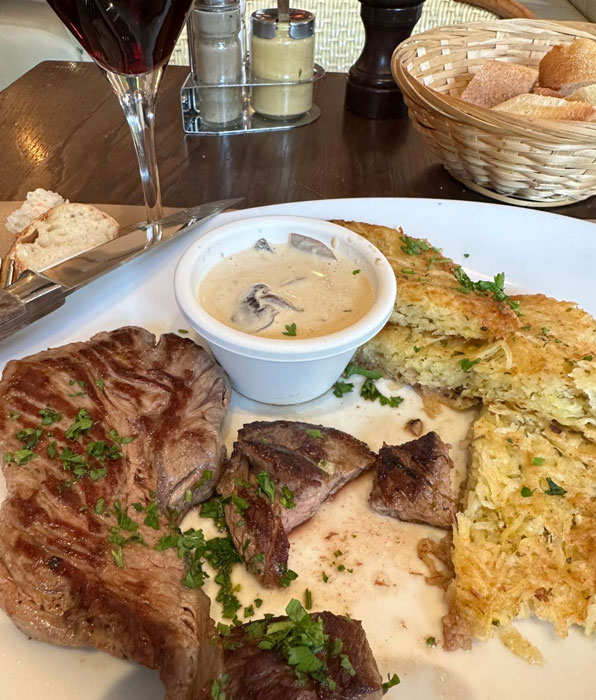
(12, 265)
(567, 68)
(498, 81)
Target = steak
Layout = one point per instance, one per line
(413, 482)
(98, 439)
(263, 674)
(278, 475)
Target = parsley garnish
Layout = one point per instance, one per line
(554, 489)
(81, 424)
(118, 556)
(49, 416)
(588, 358)
(526, 492)
(390, 682)
(538, 461)
(355, 272)
(184, 331)
(287, 578)
(308, 599)
(217, 688)
(151, 515)
(370, 392)
(340, 388)
(15, 415)
(325, 577)
(290, 329)
(100, 505)
(287, 498)
(267, 487)
(188, 495)
(121, 439)
(314, 433)
(431, 642)
(99, 383)
(30, 436)
(496, 287)
(214, 510)
(369, 373)
(467, 364)
(20, 457)
(413, 246)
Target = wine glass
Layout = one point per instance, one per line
(131, 41)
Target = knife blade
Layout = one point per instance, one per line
(36, 294)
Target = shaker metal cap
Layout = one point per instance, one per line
(263, 23)
(215, 3)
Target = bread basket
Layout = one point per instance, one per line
(518, 160)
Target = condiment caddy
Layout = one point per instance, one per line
(231, 89)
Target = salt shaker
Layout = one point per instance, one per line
(216, 58)
(283, 52)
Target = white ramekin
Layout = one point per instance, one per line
(284, 371)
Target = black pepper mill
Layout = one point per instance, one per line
(371, 91)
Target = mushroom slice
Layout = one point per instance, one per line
(263, 244)
(280, 301)
(252, 314)
(310, 245)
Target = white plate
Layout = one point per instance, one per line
(539, 252)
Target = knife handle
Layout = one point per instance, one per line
(32, 296)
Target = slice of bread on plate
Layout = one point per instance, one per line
(568, 68)
(61, 233)
(498, 81)
(543, 107)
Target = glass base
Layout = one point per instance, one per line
(249, 122)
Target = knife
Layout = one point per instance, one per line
(36, 294)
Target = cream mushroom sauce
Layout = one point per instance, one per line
(299, 289)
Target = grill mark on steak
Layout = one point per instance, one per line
(312, 461)
(261, 674)
(413, 482)
(58, 578)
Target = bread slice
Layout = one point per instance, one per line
(547, 92)
(585, 94)
(547, 367)
(429, 294)
(37, 203)
(498, 81)
(543, 107)
(59, 234)
(568, 68)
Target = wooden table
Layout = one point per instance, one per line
(61, 128)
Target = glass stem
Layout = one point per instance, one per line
(137, 94)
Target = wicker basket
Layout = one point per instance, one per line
(518, 160)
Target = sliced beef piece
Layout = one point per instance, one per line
(262, 674)
(86, 431)
(282, 471)
(413, 482)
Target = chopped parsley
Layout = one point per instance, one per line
(287, 578)
(121, 439)
(287, 498)
(325, 577)
(496, 287)
(20, 457)
(151, 515)
(431, 642)
(266, 485)
(355, 272)
(217, 688)
(49, 416)
(554, 489)
(587, 358)
(369, 373)
(290, 329)
(15, 415)
(408, 271)
(413, 246)
(314, 433)
(100, 505)
(184, 331)
(308, 599)
(300, 640)
(340, 388)
(118, 556)
(467, 364)
(390, 682)
(188, 495)
(538, 461)
(370, 392)
(81, 424)
(526, 492)
(99, 383)
(30, 436)
(214, 509)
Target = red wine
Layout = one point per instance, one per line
(125, 36)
